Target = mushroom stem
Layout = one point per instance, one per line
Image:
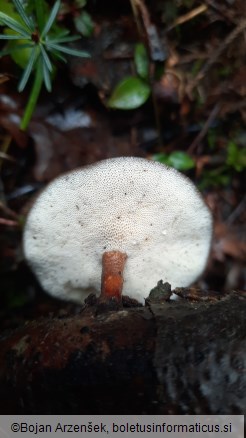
(113, 263)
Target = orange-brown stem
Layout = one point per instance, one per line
(113, 263)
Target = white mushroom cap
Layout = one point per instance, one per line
(142, 208)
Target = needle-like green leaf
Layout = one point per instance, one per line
(10, 37)
(62, 33)
(67, 50)
(28, 69)
(34, 33)
(51, 18)
(59, 56)
(64, 39)
(23, 15)
(45, 58)
(40, 14)
(14, 25)
(46, 75)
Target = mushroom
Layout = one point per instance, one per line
(120, 214)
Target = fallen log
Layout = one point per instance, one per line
(169, 357)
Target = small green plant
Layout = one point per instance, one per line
(82, 21)
(133, 91)
(178, 159)
(37, 36)
(236, 156)
(235, 161)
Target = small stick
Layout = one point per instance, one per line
(205, 128)
(8, 222)
(187, 17)
(113, 263)
(217, 52)
(8, 211)
(157, 52)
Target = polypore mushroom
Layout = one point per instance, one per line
(126, 213)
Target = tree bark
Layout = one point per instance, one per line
(170, 357)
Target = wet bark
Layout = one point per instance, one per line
(168, 357)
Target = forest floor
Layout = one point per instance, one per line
(187, 59)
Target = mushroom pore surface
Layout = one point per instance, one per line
(142, 208)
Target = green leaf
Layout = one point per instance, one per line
(10, 37)
(84, 24)
(8, 9)
(51, 18)
(33, 97)
(63, 39)
(45, 57)
(46, 75)
(130, 93)
(23, 15)
(178, 159)
(14, 25)
(61, 33)
(161, 158)
(80, 3)
(67, 50)
(40, 13)
(141, 61)
(28, 70)
(59, 56)
(20, 49)
(236, 156)
(181, 160)
(218, 177)
(16, 48)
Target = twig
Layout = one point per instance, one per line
(216, 54)
(238, 210)
(233, 107)
(157, 52)
(7, 157)
(8, 222)
(8, 211)
(223, 10)
(4, 148)
(205, 128)
(187, 17)
(136, 16)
